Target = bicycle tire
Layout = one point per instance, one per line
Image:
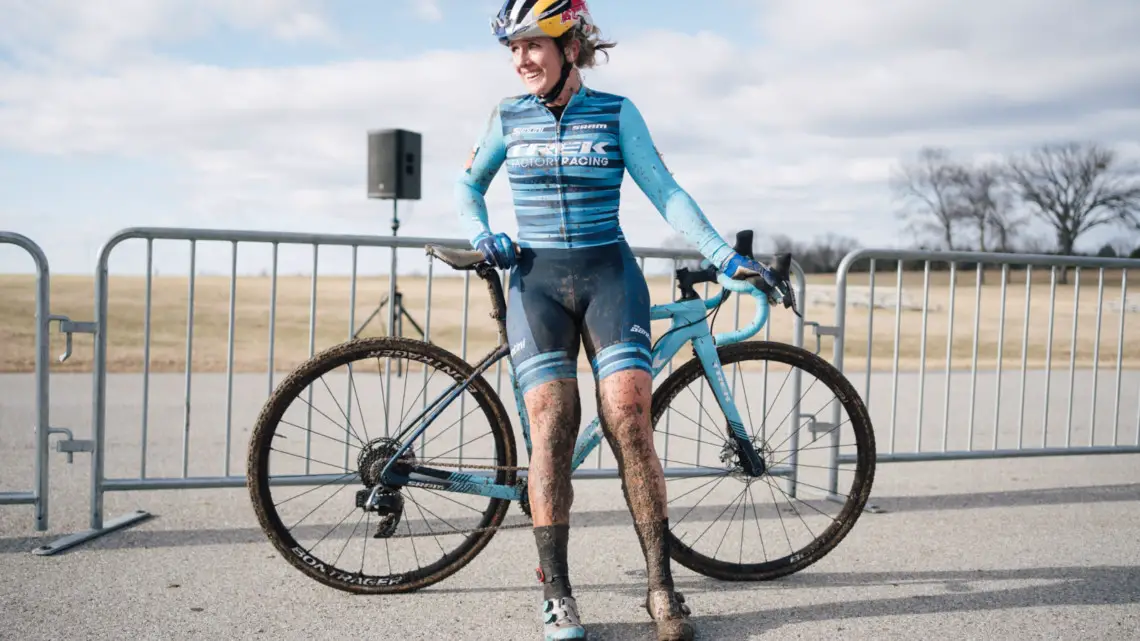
(821, 545)
(342, 354)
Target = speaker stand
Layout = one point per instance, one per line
(394, 301)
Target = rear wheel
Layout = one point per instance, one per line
(327, 449)
(761, 528)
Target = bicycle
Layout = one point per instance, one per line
(387, 469)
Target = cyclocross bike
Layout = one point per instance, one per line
(395, 476)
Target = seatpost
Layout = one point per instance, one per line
(488, 273)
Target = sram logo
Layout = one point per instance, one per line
(557, 148)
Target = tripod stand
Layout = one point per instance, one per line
(394, 300)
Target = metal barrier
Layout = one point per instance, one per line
(38, 496)
(1005, 438)
(101, 482)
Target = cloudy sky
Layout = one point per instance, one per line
(782, 116)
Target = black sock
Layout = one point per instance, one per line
(554, 571)
(655, 548)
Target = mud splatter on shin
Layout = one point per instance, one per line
(555, 412)
(624, 399)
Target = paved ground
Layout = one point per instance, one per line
(1024, 549)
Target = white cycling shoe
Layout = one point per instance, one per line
(560, 620)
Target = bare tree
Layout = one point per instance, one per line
(987, 204)
(931, 187)
(1076, 187)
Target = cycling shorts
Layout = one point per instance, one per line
(561, 298)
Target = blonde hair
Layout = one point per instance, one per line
(588, 46)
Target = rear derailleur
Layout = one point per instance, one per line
(385, 502)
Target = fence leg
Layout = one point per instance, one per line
(97, 528)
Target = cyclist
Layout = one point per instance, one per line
(574, 280)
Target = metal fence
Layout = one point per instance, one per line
(163, 468)
(38, 495)
(1020, 407)
(217, 390)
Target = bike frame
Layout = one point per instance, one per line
(689, 325)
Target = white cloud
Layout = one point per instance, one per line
(428, 9)
(796, 134)
(61, 32)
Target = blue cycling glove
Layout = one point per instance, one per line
(498, 249)
(739, 267)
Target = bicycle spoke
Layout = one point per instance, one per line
(423, 392)
(794, 406)
(348, 428)
(764, 418)
(330, 419)
(359, 405)
(459, 446)
(305, 458)
(689, 477)
(702, 406)
(791, 505)
(421, 511)
(756, 517)
(705, 484)
(321, 434)
(743, 518)
(702, 498)
(383, 396)
(730, 520)
(747, 405)
(699, 426)
(448, 428)
(342, 520)
(364, 548)
(781, 517)
(319, 505)
(796, 498)
(816, 487)
(718, 517)
(314, 489)
(822, 447)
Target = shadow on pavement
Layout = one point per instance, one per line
(141, 537)
(1069, 587)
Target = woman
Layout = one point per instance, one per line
(574, 279)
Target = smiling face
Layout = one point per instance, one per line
(538, 63)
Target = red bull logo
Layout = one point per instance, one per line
(577, 8)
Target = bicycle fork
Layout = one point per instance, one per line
(750, 459)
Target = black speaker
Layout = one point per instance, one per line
(394, 164)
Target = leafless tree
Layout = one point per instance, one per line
(1075, 187)
(930, 188)
(988, 205)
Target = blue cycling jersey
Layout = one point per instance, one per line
(566, 174)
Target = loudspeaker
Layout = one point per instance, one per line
(394, 164)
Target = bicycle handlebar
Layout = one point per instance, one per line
(758, 320)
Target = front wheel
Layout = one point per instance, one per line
(726, 524)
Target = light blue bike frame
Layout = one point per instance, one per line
(689, 325)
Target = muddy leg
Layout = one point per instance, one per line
(555, 412)
(625, 401)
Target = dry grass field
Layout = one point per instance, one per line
(74, 296)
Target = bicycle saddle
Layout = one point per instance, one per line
(456, 258)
